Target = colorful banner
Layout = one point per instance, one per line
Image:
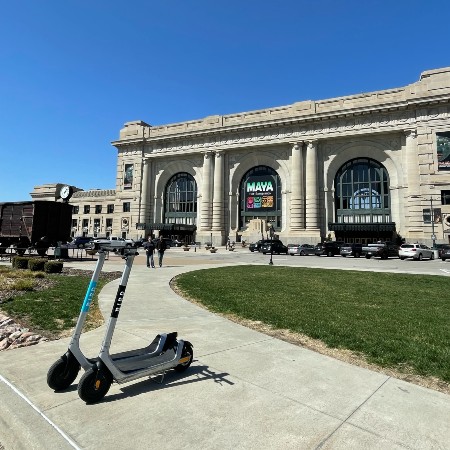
(260, 194)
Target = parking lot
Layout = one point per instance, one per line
(240, 255)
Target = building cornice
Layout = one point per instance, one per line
(432, 91)
(94, 193)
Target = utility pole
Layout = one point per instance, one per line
(271, 244)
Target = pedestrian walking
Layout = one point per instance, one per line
(149, 247)
(161, 246)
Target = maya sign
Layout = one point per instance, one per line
(260, 194)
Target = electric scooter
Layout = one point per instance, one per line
(165, 352)
(64, 371)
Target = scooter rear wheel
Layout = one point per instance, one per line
(188, 351)
(94, 384)
(62, 373)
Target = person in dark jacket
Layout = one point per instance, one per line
(161, 246)
(149, 247)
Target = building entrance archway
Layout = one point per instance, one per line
(362, 202)
(260, 197)
(180, 208)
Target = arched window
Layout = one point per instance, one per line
(260, 196)
(362, 192)
(180, 203)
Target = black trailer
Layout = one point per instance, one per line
(34, 225)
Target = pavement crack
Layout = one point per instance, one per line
(344, 421)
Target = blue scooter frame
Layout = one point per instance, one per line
(64, 371)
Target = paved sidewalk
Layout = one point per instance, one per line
(244, 390)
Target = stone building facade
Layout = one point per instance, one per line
(95, 214)
(357, 168)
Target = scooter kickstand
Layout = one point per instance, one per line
(160, 377)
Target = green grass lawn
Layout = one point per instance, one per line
(52, 311)
(399, 321)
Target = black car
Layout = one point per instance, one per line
(80, 242)
(330, 248)
(273, 246)
(140, 242)
(256, 247)
(169, 242)
(439, 248)
(445, 252)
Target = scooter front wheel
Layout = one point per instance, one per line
(62, 373)
(187, 356)
(94, 385)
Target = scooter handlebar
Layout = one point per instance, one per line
(107, 247)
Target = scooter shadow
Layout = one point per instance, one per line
(171, 379)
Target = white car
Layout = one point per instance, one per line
(113, 243)
(415, 251)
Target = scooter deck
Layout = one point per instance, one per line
(161, 350)
(144, 361)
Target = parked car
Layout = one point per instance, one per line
(439, 248)
(301, 249)
(256, 246)
(415, 251)
(351, 250)
(380, 249)
(329, 248)
(80, 242)
(169, 242)
(273, 246)
(140, 242)
(112, 242)
(445, 252)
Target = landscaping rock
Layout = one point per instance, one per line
(13, 335)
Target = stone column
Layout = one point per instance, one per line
(296, 206)
(158, 208)
(412, 162)
(230, 212)
(217, 212)
(145, 195)
(205, 219)
(312, 198)
(237, 211)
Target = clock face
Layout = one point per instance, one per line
(65, 192)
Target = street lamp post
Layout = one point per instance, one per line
(271, 244)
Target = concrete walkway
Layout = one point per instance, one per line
(244, 390)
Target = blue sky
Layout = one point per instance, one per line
(73, 72)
